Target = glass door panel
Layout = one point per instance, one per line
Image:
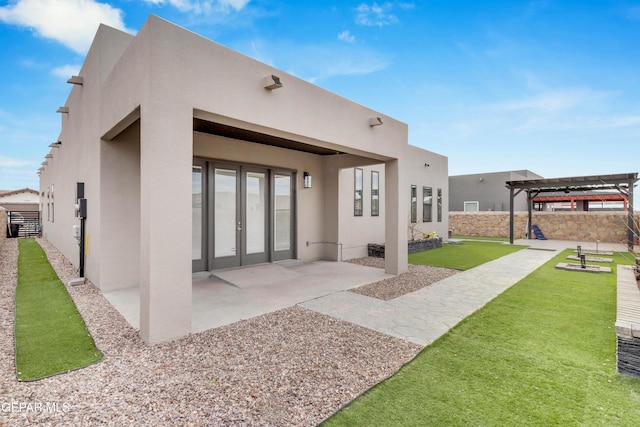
(282, 213)
(283, 218)
(197, 217)
(255, 217)
(225, 213)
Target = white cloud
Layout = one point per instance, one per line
(66, 71)
(553, 101)
(351, 63)
(315, 62)
(375, 15)
(70, 22)
(8, 162)
(346, 36)
(202, 6)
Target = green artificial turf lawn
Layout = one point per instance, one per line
(50, 335)
(463, 256)
(542, 353)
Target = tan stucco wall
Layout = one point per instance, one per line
(357, 231)
(424, 169)
(579, 226)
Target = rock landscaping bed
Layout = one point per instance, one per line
(290, 367)
(416, 278)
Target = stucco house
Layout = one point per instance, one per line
(182, 155)
(22, 200)
(482, 192)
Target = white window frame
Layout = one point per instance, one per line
(477, 205)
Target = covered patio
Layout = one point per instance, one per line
(623, 183)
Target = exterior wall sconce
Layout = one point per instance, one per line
(62, 110)
(271, 82)
(76, 80)
(307, 179)
(375, 121)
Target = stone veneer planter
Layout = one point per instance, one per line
(377, 250)
(627, 321)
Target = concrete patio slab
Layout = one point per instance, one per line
(227, 296)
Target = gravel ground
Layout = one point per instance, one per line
(290, 367)
(416, 278)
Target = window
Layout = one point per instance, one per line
(357, 210)
(427, 204)
(471, 206)
(53, 217)
(375, 193)
(439, 204)
(414, 204)
(48, 204)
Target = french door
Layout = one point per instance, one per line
(242, 215)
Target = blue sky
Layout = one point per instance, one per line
(550, 86)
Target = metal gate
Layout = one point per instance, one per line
(23, 224)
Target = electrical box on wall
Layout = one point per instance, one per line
(76, 231)
(82, 208)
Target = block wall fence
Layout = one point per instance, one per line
(610, 227)
(3, 222)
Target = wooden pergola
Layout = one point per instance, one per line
(623, 183)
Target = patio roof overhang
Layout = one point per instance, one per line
(624, 183)
(214, 128)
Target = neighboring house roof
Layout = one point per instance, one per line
(24, 199)
(514, 174)
(5, 193)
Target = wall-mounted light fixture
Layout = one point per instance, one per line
(271, 82)
(375, 121)
(76, 80)
(62, 110)
(307, 179)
